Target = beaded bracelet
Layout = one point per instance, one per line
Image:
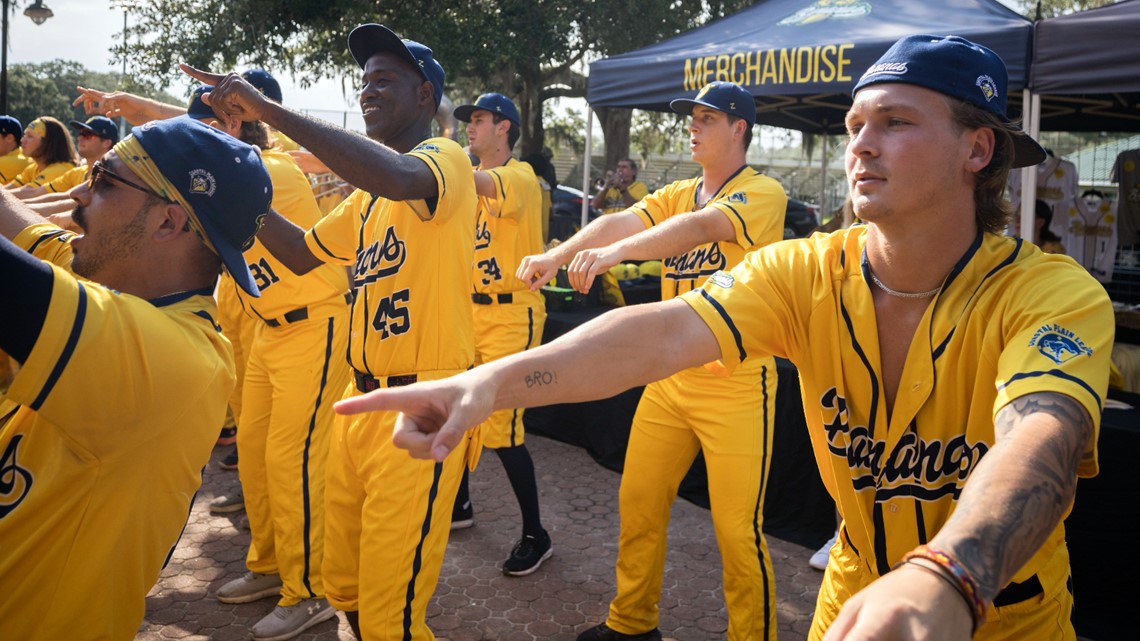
(967, 586)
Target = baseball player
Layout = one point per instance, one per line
(952, 397)
(702, 225)
(47, 143)
(621, 190)
(96, 137)
(125, 376)
(12, 159)
(409, 232)
(508, 316)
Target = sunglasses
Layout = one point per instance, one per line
(100, 172)
(88, 134)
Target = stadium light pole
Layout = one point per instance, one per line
(38, 13)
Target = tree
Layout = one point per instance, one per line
(1054, 8)
(533, 50)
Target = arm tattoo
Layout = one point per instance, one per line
(1018, 493)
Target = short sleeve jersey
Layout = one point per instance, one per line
(281, 290)
(752, 202)
(64, 182)
(614, 203)
(1126, 172)
(411, 261)
(103, 436)
(507, 228)
(996, 331)
(33, 176)
(11, 164)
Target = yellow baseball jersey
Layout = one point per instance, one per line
(64, 182)
(11, 164)
(411, 308)
(996, 331)
(752, 202)
(100, 471)
(507, 228)
(34, 176)
(281, 291)
(614, 203)
(283, 142)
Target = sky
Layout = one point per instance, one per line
(85, 30)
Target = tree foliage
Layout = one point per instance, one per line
(1054, 8)
(47, 89)
(532, 50)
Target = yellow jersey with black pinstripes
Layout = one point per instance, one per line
(507, 228)
(103, 436)
(11, 164)
(752, 202)
(281, 290)
(33, 176)
(412, 269)
(71, 178)
(1008, 321)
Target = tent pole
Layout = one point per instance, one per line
(823, 178)
(1031, 121)
(586, 167)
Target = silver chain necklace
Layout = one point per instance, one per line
(896, 293)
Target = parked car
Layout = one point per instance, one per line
(799, 219)
(566, 212)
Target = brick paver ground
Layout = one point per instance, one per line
(474, 601)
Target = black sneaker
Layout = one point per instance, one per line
(603, 632)
(463, 517)
(230, 462)
(529, 553)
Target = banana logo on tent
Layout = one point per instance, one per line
(824, 9)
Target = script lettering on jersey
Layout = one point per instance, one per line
(380, 259)
(696, 263)
(923, 469)
(482, 235)
(15, 481)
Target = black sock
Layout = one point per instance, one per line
(520, 471)
(462, 497)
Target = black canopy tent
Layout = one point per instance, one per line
(800, 58)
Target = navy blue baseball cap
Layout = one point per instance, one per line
(196, 108)
(265, 83)
(728, 97)
(9, 125)
(958, 68)
(495, 103)
(368, 40)
(221, 178)
(101, 126)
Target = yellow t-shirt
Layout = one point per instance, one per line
(33, 176)
(100, 470)
(614, 203)
(996, 331)
(11, 164)
(507, 228)
(64, 182)
(412, 263)
(281, 290)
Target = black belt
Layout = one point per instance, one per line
(368, 383)
(299, 314)
(486, 299)
(1018, 592)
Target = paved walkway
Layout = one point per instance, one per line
(474, 601)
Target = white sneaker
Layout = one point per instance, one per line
(819, 559)
(250, 587)
(286, 622)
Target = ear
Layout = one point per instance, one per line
(982, 143)
(172, 222)
(426, 94)
(503, 127)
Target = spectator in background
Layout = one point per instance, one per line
(12, 161)
(621, 189)
(1044, 237)
(49, 146)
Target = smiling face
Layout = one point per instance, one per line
(390, 96)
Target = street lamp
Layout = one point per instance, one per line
(38, 12)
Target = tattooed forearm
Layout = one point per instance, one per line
(1018, 493)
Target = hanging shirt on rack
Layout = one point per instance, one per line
(1090, 235)
(1056, 185)
(1126, 172)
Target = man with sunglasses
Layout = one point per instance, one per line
(95, 138)
(124, 377)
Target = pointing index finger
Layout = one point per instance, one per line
(205, 77)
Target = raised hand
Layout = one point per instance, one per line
(232, 96)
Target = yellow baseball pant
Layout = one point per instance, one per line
(388, 520)
(295, 374)
(730, 419)
(238, 327)
(502, 330)
(1044, 617)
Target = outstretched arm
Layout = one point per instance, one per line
(627, 347)
(541, 269)
(1012, 501)
(136, 109)
(363, 162)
